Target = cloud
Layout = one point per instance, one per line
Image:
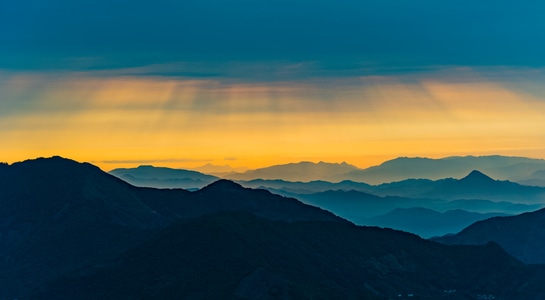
(345, 37)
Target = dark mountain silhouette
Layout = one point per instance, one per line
(302, 171)
(160, 177)
(240, 256)
(59, 215)
(427, 222)
(501, 167)
(522, 236)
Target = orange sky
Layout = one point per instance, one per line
(177, 122)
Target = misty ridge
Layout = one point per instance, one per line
(420, 203)
(421, 229)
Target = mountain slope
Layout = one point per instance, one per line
(522, 236)
(427, 222)
(240, 256)
(160, 177)
(52, 208)
(59, 215)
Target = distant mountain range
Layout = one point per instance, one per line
(427, 222)
(70, 231)
(518, 169)
(474, 185)
(522, 236)
(219, 171)
(536, 179)
(477, 194)
(302, 171)
(500, 167)
(160, 177)
(421, 206)
(523, 170)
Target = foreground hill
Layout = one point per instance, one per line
(160, 177)
(59, 215)
(241, 256)
(522, 236)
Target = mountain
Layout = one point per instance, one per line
(59, 215)
(427, 222)
(51, 211)
(522, 236)
(535, 179)
(501, 167)
(160, 177)
(475, 185)
(240, 256)
(302, 171)
(306, 187)
(219, 171)
(359, 201)
(357, 206)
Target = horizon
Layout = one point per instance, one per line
(253, 84)
(147, 163)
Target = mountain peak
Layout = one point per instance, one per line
(54, 164)
(223, 184)
(477, 175)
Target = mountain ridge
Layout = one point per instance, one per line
(521, 235)
(59, 215)
(163, 177)
(301, 260)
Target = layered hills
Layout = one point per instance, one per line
(522, 236)
(70, 231)
(161, 177)
(473, 197)
(422, 206)
(59, 215)
(302, 171)
(500, 167)
(518, 169)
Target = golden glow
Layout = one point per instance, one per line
(121, 122)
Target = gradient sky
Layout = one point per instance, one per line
(256, 83)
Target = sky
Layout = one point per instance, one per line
(257, 83)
